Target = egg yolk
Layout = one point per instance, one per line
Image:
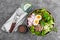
(38, 17)
(36, 21)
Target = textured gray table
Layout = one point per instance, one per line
(7, 8)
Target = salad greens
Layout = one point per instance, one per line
(32, 29)
(42, 23)
(47, 22)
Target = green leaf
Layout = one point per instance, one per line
(43, 10)
(43, 33)
(51, 22)
(51, 26)
(42, 23)
(32, 29)
(46, 27)
(55, 29)
(37, 32)
(46, 16)
(38, 11)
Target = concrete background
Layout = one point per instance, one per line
(7, 8)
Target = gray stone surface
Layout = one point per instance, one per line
(7, 8)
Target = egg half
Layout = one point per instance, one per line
(38, 17)
(35, 22)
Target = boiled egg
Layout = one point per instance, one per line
(38, 17)
(35, 22)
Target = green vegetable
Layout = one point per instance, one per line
(51, 22)
(51, 26)
(42, 10)
(32, 29)
(38, 11)
(55, 29)
(46, 22)
(42, 23)
(46, 27)
(46, 16)
(43, 33)
(37, 32)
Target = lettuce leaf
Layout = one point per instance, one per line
(42, 23)
(32, 29)
(37, 32)
(46, 16)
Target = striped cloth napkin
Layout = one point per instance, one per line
(16, 19)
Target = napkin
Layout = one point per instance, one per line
(16, 19)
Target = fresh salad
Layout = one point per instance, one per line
(40, 22)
